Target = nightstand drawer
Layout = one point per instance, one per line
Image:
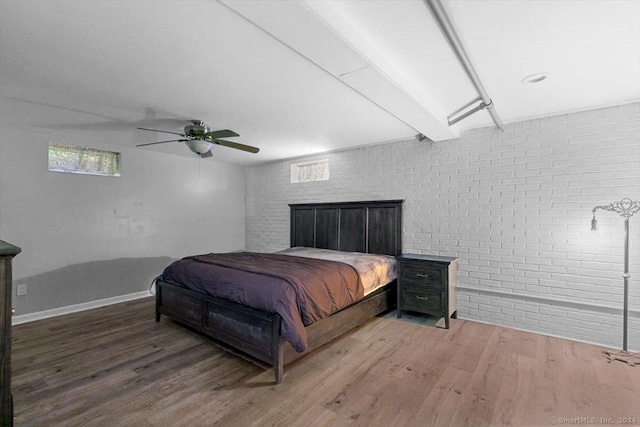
(421, 299)
(417, 274)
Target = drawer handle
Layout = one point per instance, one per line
(422, 298)
(13, 311)
(423, 275)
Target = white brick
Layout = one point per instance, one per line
(514, 206)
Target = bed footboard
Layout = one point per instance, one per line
(254, 334)
(236, 328)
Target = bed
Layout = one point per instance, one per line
(372, 227)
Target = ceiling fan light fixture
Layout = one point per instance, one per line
(199, 146)
(199, 138)
(535, 78)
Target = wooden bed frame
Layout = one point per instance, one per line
(371, 227)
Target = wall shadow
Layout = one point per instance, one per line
(86, 282)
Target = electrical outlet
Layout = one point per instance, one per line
(22, 289)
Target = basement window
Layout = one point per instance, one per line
(87, 161)
(317, 170)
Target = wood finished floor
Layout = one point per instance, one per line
(115, 366)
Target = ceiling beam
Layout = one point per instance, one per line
(325, 37)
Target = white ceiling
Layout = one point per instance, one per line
(298, 78)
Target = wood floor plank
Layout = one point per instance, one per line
(117, 366)
(443, 401)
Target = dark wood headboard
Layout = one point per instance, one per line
(371, 227)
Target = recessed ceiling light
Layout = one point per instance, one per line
(535, 78)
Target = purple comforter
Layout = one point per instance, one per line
(301, 290)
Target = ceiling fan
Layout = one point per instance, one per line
(200, 138)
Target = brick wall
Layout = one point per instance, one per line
(515, 206)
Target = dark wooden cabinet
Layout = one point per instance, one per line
(427, 284)
(7, 252)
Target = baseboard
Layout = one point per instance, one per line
(599, 344)
(31, 317)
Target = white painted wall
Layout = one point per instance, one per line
(514, 206)
(86, 238)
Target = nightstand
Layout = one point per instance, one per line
(427, 284)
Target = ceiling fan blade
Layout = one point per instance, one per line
(163, 131)
(236, 145)
(207, 154)
(162, 142)
(226, 133)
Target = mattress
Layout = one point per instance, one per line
(375, 270)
